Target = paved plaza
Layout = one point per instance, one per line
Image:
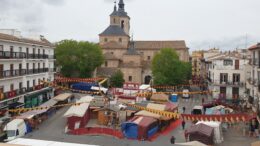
(53, 129)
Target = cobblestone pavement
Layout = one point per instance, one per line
(53, 129)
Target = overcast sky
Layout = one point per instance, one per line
(203, 24)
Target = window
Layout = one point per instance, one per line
(43, 79)
(105, 39)
(120, 40)
(1, 48)
(114, 20)
(236, 78)
(11, 87)
(28, 84)
(105, 63)
(228, 62)
(112, 52)
(122, 24)
(148, 57)
(20, 85)
(39, 81)
(27, 52)
(33, 82)
(130, 78)
(11, 48)
(27, 67)
(20, 49)
(223, 77)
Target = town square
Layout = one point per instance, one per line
(129, 73)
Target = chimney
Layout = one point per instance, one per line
(42, 37)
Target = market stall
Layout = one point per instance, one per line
(78, 116)
(140, 127)
(218, 134)
(201, 133)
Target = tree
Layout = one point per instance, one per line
(78, 59)
(117, 79)
(167, 69)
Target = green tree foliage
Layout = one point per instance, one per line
(117, 79)
(167, 68)
(78, 59)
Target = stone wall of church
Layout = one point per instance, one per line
(121, 40)
(118, 53)
(149, 53)
(111, 63)
(134, 73)
(132, 58)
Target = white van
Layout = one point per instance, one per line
(14, 129)
(185, 93)
(198, 110)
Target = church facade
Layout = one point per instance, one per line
(132, 57)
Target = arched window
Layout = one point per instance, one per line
(122, 24)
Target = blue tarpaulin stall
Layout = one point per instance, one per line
(83, 86)
(140, 127)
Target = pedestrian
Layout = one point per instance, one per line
(172, 140)
(186, 135)
(183, 124)
(202, 100)
(183, 109)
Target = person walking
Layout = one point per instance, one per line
(186, 135)
(183, 124)
(183, 109)
(172, 140)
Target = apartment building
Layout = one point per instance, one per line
(197, 57)
(23, 63)
(227, 74)
(253, 82)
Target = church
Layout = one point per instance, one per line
(132, 57)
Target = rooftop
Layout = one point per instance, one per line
(113, 30)
(42, 42)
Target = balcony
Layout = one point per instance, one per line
(12, 55)
(12, 73)
(228, 83)
(21, 91)
(36, 71)
(37, 56)
(51, 57)
(21, 72)
(21, 55)
(52, 70)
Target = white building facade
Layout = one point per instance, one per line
(23, 63)
(227, 75)
(253, 82)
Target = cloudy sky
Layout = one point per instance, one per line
(203, 24)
